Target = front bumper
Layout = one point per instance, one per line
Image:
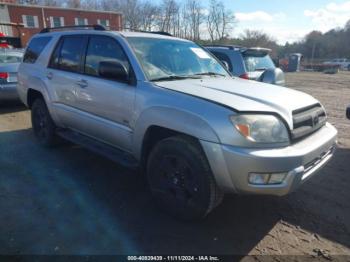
(8, 91)
(232, 165)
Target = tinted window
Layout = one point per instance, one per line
(56, 55)
(258, 63)
(70, 53)
(103, 49)
(34, 49)
(224, 57)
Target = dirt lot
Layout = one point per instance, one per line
(70, 201)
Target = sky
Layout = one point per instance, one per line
(288, 20)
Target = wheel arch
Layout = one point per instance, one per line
(158, 123)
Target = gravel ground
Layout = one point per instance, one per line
(70, 201)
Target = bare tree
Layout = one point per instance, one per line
(193, 19)
(168, 14)
(347, 26)
(220, 21)
(149, 14)
(74, 3)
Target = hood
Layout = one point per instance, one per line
(244, 95)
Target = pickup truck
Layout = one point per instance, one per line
(167, 107)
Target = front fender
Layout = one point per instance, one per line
(171, 118)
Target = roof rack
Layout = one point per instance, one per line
(149, 32)
(158, 33)
(94, 27)
(227, 46)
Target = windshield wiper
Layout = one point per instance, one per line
(172, 78)
(209, 74)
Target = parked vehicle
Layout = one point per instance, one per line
(249, 63)
(348, 112)
(9, 62)
(168, 107)
(343, 63)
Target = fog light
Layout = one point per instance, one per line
(258, 179)
(277, 178)
(266, 179)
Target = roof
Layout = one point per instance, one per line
(63, 8)
(122, 33)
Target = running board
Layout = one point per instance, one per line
(116, 155)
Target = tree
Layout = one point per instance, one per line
(194, 18)
(167, 20)
(255, 38)
(148, 16)
(220, 21)
(347, 25)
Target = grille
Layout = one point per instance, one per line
(307, 120)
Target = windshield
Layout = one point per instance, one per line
(7, 57)
(164, 59)
(257, 63)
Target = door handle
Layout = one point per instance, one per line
(82, 83)
(49, 75)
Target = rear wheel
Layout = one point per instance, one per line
(43, 125)
(181, 180)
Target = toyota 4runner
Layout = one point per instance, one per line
(168, 107)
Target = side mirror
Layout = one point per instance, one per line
(348, 112)
(225, 64)
(113, 70)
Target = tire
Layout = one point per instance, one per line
(43, 126)
(180, 179)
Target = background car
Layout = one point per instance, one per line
(10, 60)
(343, 63)
(249, 63)
(348, 112)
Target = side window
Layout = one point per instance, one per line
(34, 49)
(224, 57)
(68, 53)
(54, 60)
(102, 48)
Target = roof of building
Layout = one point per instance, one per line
(62, 8)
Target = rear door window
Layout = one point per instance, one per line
(68, 53)
(34, 49)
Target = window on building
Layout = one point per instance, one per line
(30, 21)
(34, 49)
(104, 22)
(56, 21)
(81, 21)
(103, 48)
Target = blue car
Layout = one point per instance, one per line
(249, 63)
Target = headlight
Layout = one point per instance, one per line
(261, 128)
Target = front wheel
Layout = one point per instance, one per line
(43, 125)
(181, 180)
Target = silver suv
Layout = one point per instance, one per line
(168, 107)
